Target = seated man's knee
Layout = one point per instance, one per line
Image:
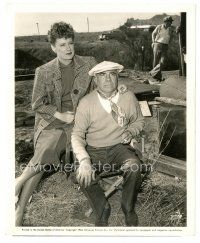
(132, 165)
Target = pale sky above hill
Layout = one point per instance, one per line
(25, 23)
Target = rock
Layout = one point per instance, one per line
(19, 100)
(19, 123)
(24, 118)
(29, 120)
(124, 73)
(23, 95)
(24, 150)
(146, 81)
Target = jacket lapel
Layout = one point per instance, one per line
(57, 77)
(78, 63)
(81, 78)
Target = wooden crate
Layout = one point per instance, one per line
(171, 132)
(172, 126)
(163, 142)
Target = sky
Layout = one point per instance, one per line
(26, 23)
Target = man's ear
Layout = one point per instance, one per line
(53, 48)
(95, 79)
(94, 82)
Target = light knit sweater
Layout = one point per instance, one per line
(96, 127)
(162, 34)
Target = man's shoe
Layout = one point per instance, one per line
(105, 216)
(131, 219)
(153, 81)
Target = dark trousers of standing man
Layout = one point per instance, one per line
(159, 56)
(111, 159)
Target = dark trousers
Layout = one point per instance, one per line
(111, 159)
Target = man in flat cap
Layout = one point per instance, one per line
(160, 41)
(105, 122)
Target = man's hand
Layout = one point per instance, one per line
(152, 45)
(85, 174)
(126, 137)
(67, 116)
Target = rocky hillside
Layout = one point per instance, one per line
(155, 20)
(124, 45)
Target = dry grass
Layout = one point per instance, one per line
(58, 202)
(163, 201)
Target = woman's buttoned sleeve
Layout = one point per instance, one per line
(40, 97)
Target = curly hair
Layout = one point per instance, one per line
(60, 30)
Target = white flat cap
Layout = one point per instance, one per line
(105, 66)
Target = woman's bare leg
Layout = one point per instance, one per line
(28, 172)
(27, 190)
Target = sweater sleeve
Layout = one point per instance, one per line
(136, 120)
(81, 125)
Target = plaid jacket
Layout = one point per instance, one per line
(47, 89)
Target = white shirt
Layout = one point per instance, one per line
(163, 34)
(106, 103)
